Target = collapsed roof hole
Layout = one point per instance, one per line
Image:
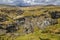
(11, 28)
(55, 14)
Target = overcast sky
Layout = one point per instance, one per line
(30, 2)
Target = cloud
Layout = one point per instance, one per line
(42, 2)
(7, 2)
(30, 2)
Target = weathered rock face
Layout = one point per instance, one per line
(2, 31)
(41, 22)
(11, 28)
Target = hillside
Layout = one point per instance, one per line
(29, 23)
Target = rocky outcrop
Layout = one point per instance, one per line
(41, 22)
(13, 19)
(28, 23)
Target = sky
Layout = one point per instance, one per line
(30, 2)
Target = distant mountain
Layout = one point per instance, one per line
(30, 2)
